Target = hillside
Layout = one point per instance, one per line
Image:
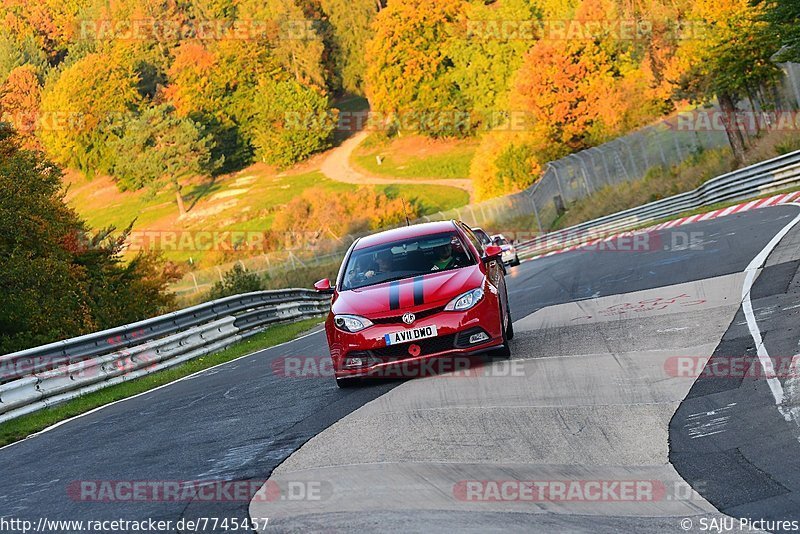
(247, 200)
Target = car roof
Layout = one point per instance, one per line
(405, 232)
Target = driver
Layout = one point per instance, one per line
(383, 261)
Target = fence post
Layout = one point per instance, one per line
(633, 160)
(605, 164)
(643, 148)
(678, 147)
(583, 173)
(663, 156)
(558, 180)
(536, 214)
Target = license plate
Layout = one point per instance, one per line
(407, 336)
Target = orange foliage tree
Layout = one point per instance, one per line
(20, 99)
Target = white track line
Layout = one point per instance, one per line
(187, 377)
(750, 275)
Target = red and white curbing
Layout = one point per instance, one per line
(776, 200)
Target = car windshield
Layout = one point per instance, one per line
(483, 236)
(404, 259)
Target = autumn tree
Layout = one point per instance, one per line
(20, 99)
(216, 86)
(51, 24)
(409, 70)
(505, 162)
(159, 147)
(77, 106)
(568, 87)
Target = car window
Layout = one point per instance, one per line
(475, 240)
(482, 236)
(405, 259)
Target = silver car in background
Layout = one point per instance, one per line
(510, 256)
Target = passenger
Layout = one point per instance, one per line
(445, 258)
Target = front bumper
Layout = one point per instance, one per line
(408, 359)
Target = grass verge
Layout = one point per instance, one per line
(416, 157)
(26, 425)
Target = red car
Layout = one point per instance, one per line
(410, 294)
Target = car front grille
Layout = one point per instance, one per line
(427, 346)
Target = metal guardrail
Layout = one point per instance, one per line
(39, 377)
(764, 177)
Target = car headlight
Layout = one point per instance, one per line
(351, 323)
(465, 301)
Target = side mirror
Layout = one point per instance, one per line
(324, 286)
(492, 253)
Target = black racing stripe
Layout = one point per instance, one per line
(394, 295)
(419, 297)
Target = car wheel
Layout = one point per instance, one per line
(516, 261)
(346, 383)
(504, 352)
(510, 328)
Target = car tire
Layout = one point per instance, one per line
(504, 352)
(516, 261)
(347, 383)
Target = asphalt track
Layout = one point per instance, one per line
(589, 399)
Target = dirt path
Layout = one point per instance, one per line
(336, 166)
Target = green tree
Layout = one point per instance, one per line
(15, 54)
(351, 28)
(235, 282)
(158, 147)
(731, 62)
(485, 60)
(57, 280)
(290, 122)
(294, 40)
(783, 19)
